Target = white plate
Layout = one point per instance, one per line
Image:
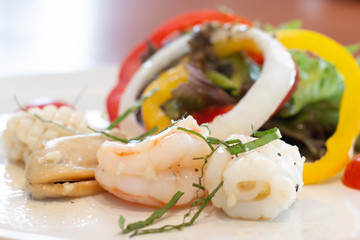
(325, 211)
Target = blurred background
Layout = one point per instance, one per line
(61, 36)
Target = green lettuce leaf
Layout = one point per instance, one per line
(310, 128)
(293, 24)
(318, 80)
(353, 48)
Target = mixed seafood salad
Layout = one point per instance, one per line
(209, 109)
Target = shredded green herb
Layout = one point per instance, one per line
(167, 228)
(235, 146)
(197, 134)
(123, 140)
(145, 134)
(155, 215)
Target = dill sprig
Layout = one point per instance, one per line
(234, 147)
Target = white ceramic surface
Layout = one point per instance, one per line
(324, 211)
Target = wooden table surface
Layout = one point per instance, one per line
(39, 36)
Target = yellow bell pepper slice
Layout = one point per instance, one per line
(151, 110)
(340, 143)
(225, 48)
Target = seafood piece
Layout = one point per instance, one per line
(257, 184)
(25, 133)
(152, 171)
(64, 167)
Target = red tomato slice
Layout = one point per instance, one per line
(351, 176)
(132, 61)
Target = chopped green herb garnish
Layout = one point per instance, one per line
(155, 215)
(123, 140)
(197, 134)
(167, 228)
(213, 140)
(198, 186)
(145, 134)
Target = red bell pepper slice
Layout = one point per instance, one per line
(133, 61)
(208, 114)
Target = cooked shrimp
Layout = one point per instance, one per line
(257, 184)
(152, 171)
